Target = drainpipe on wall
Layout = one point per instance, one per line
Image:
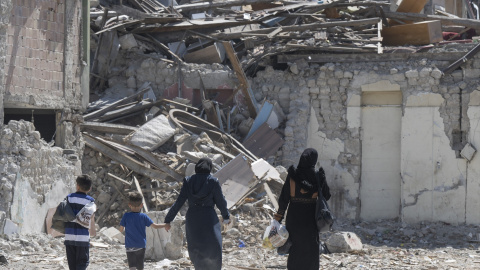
(85, 61)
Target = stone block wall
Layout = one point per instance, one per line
(329, 99)
(42, 54)
(131, 71)
(34, 176)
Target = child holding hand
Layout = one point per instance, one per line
(134, 224)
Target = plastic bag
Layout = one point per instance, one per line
(275, 235)
(285, 249)
(85, 215)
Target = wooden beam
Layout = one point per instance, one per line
(139, 189)
(367, 57)
(244, 85)
(475, 24)
(107, 208)
(144, 88)
(312, 26)
(462, 60)
(209, 5)
(107, 128)
(123, 159)
(211, 112)
(119, 179)
(421, 33)
(270, 195)
(148, 156)
(128, 110)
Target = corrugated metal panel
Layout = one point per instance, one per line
(236, 179)
(264, 142)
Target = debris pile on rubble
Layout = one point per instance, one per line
(169, 86)
(387, 244)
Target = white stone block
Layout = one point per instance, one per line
(127, 41)
(162, 244)
(113, 233)
(10, 227)
(154, 133)
(468, 151)
(344, 242)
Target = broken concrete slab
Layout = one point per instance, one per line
(162, 244)
(236, 179)
(153, 134)
(114, 234)
(209, 55)
(10, 227)
(344, 242)
(264, 171)
(264, 142)
(127, 42)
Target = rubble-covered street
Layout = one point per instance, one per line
(387, 245)
(134, 93)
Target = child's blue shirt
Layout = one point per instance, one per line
(135, 234)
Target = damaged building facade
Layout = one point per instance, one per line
(389, 131)
(395, 134)
(42, 89)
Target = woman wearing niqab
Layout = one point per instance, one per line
(300, 221)
(203, 229)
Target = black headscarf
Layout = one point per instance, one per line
(204, 165)
(304, 175)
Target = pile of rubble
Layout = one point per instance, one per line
(33, 173)
(387, 244)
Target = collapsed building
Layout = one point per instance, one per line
(394, 124)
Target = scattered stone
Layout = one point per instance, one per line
(343, 242)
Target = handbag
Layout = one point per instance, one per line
(64, 213)
(323, 216)
(285, 248)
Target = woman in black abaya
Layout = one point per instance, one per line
(202, 226)
(300, 223)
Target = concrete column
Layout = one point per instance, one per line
(85, 64)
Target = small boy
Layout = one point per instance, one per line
(134, 224)
(77, 236)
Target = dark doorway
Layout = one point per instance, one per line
(43, 120)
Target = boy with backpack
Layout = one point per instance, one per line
(77, 234)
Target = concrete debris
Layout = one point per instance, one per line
(343, 242)
(153, 134)
(385, 246)
(162, 244)
(112, 234)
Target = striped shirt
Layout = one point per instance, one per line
(76, 234)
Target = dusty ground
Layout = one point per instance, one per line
(387, 245)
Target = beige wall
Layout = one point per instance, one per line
(42, 55)
(433, 178)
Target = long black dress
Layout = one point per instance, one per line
(202, 227)
(301, 226)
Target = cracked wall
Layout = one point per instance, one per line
(33, 175)
(435, 121)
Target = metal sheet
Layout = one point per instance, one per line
(264, 142)
(236, 179)
(262, 117)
